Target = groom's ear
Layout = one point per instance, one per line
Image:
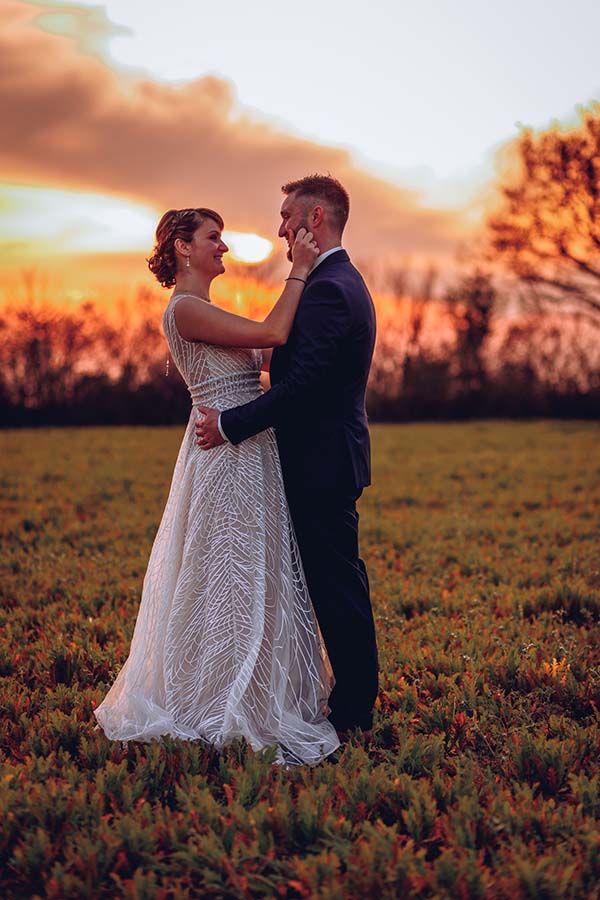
(316, 217)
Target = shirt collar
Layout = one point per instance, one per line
(323, 256)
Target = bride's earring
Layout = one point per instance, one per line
(187, 262)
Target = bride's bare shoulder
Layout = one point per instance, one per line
(196, 318)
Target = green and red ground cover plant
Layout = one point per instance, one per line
(482, 779)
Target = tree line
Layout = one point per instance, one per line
(517, 335)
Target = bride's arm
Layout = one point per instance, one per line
(200, 321)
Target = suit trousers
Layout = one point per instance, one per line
(326, 527)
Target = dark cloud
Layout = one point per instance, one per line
(69, 121)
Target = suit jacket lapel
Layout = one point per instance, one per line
(338, 256)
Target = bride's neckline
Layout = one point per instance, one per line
(188, 294)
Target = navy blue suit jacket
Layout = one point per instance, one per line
(318, 381)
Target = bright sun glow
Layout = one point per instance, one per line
(247, 248)
(75, 222)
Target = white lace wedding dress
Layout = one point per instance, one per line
(226, 643)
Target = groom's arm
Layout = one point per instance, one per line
(322, 320)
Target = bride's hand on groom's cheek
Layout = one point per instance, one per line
(207, 429)
(304, 247)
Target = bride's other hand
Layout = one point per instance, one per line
(304, 251)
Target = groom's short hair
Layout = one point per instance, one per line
(326, 189)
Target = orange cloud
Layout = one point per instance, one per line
(70, 121)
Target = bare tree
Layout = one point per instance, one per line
(546, 229)
(471, 305)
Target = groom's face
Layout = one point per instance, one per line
(294, 215)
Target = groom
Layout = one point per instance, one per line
(317, 405)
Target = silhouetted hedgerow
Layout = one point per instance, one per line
(457, 357)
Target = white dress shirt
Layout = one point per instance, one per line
(318, 260)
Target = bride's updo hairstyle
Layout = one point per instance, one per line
(176, 223)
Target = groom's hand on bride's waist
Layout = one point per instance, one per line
(208, 433)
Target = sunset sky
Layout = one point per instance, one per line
(115, 111)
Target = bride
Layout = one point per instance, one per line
(226, 643)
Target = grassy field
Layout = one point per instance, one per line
(482, 542)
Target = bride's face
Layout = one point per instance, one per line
(207, 249)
